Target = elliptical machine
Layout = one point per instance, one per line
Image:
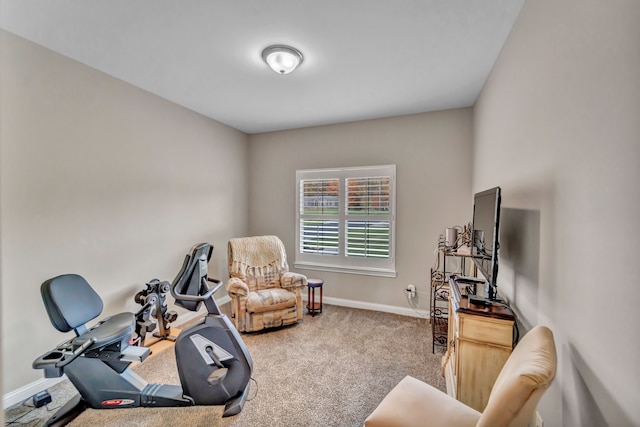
(213, 363)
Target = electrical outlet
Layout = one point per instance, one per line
(411, 290)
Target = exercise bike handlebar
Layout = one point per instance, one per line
(76, 353)
(198, 298)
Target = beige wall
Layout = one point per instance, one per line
(432, 154)
(558, 127)
(105, 180)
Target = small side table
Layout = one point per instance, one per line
(312, 306)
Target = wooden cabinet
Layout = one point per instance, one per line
(480, 341)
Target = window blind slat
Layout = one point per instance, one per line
(368, 238)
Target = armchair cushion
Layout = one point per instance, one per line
(270, 300)
(413, 403)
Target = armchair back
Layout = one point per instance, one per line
(523, 380)
(259, 261)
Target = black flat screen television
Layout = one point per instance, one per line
(484, 236)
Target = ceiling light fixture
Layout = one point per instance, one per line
(282, 59)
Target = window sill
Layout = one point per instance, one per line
(382, 272)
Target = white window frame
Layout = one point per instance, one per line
(341, 263)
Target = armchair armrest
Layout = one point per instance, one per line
(236, 286)
(290, 280)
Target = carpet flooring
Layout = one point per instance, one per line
(329, 370)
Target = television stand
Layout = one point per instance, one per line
(480, 339)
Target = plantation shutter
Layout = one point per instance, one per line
(345, 220)
(368, 222)
(319, 207)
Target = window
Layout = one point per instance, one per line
(345, 220)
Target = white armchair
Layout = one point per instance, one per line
(525, 376)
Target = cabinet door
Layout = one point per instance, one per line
(450, 358)
(479, 366)
(485, 330)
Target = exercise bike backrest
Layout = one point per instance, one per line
(190, 288)
(71, 303)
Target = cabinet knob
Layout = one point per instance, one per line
(452, 344)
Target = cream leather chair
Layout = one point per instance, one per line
(524, 378)
(264, 293)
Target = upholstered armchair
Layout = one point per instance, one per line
(264, 293)
(525, 376)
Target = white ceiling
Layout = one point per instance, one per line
(363, 59)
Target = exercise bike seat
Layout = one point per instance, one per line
(71, 302)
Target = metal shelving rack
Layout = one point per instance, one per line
(439, 309)
(439, 295)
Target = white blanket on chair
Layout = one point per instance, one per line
(257, 251)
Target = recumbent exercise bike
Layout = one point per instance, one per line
(213, 363)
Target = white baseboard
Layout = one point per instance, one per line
(403, 311)
(25, 392)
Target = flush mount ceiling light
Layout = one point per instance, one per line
(282, 59)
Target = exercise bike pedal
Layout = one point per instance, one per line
(234, 406)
